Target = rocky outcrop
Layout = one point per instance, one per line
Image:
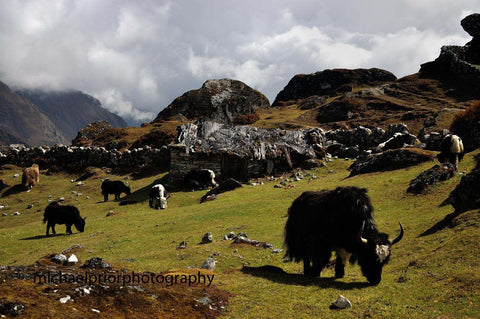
(221, 101)
(432, 176)
(89, 133)
(466, 195)
(460, 63)
(471, 24)
(330, 82)
(390, 160)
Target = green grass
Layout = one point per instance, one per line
(427, 277)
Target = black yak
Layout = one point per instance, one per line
(451, 150)
(64, 215)
(114, 187)
(200, 178)
(338, 220)
(30, 176)
(158, 198)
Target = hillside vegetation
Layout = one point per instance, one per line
(428, 277)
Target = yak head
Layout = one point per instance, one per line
(127, 190)
(80, 224)
(374, 253)
(163, 202)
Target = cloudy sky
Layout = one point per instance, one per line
(137, 56)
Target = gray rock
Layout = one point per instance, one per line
(341, 303)
(208, 264)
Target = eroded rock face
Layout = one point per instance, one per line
(471, 24)
(466, 195)
(221, 101)
(429, 177)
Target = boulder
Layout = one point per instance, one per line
(390, 160)
(208, 264)
(96, 263)
(430, 177)
(466, 195)
(221, 101)
(471, 24)
(207, 238)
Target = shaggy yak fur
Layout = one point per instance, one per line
(64, 215)
(199, 179)
(451, 150)
(114, 187)
(31, 176)
(338, 220)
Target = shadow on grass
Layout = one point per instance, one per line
(447, 221)
(15, 189)
(278, 275)
(42, 236)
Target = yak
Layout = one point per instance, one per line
(64, 215)
(114, 187)
(158, 198)
(200, 178)
(451, 150)
(340, 220)
(30, 176)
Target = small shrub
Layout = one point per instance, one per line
(466, 125)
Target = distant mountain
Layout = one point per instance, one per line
(21, 120)
(71, 110)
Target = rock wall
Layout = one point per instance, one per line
(65, 157)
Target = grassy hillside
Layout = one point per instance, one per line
(428, 277)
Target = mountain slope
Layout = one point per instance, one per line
(71, 110)
(23, 120)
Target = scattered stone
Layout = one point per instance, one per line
(72, 260)
(341, 303)
(80, 183)
(96, 263)
(16, 214)
(59, 258)
(82, 291)
(228, 236)
(208, 264)
(29, 206)
(2, 207)
(276, 251)
(16, 176)
(4, 214)
(74, 192)
(95, 310)
(251, 242)
(207, 238)
(65, 299)
(12, 308)
(61, 199)
(74, 247)
(204, 301)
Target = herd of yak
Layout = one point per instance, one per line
(318, 223)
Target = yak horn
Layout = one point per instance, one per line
(360, 238)
(400, 236)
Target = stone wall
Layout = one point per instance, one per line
(65, 157)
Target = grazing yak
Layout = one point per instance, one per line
(114, 187)
(451, 150)
(200, 178)
(158, 198)
(64, 215)
(338, 220)
(31, 176)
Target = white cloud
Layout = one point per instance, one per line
(140, 55)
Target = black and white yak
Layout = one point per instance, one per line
(199, 179)
(63, 215)
(339, 220)
(114, 187)
(451, 150)
(158, 197)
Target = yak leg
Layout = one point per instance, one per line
(340, 262)
(52, 226)
(105, 197)
(69, 228)
(306, 266)
(320, 262)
